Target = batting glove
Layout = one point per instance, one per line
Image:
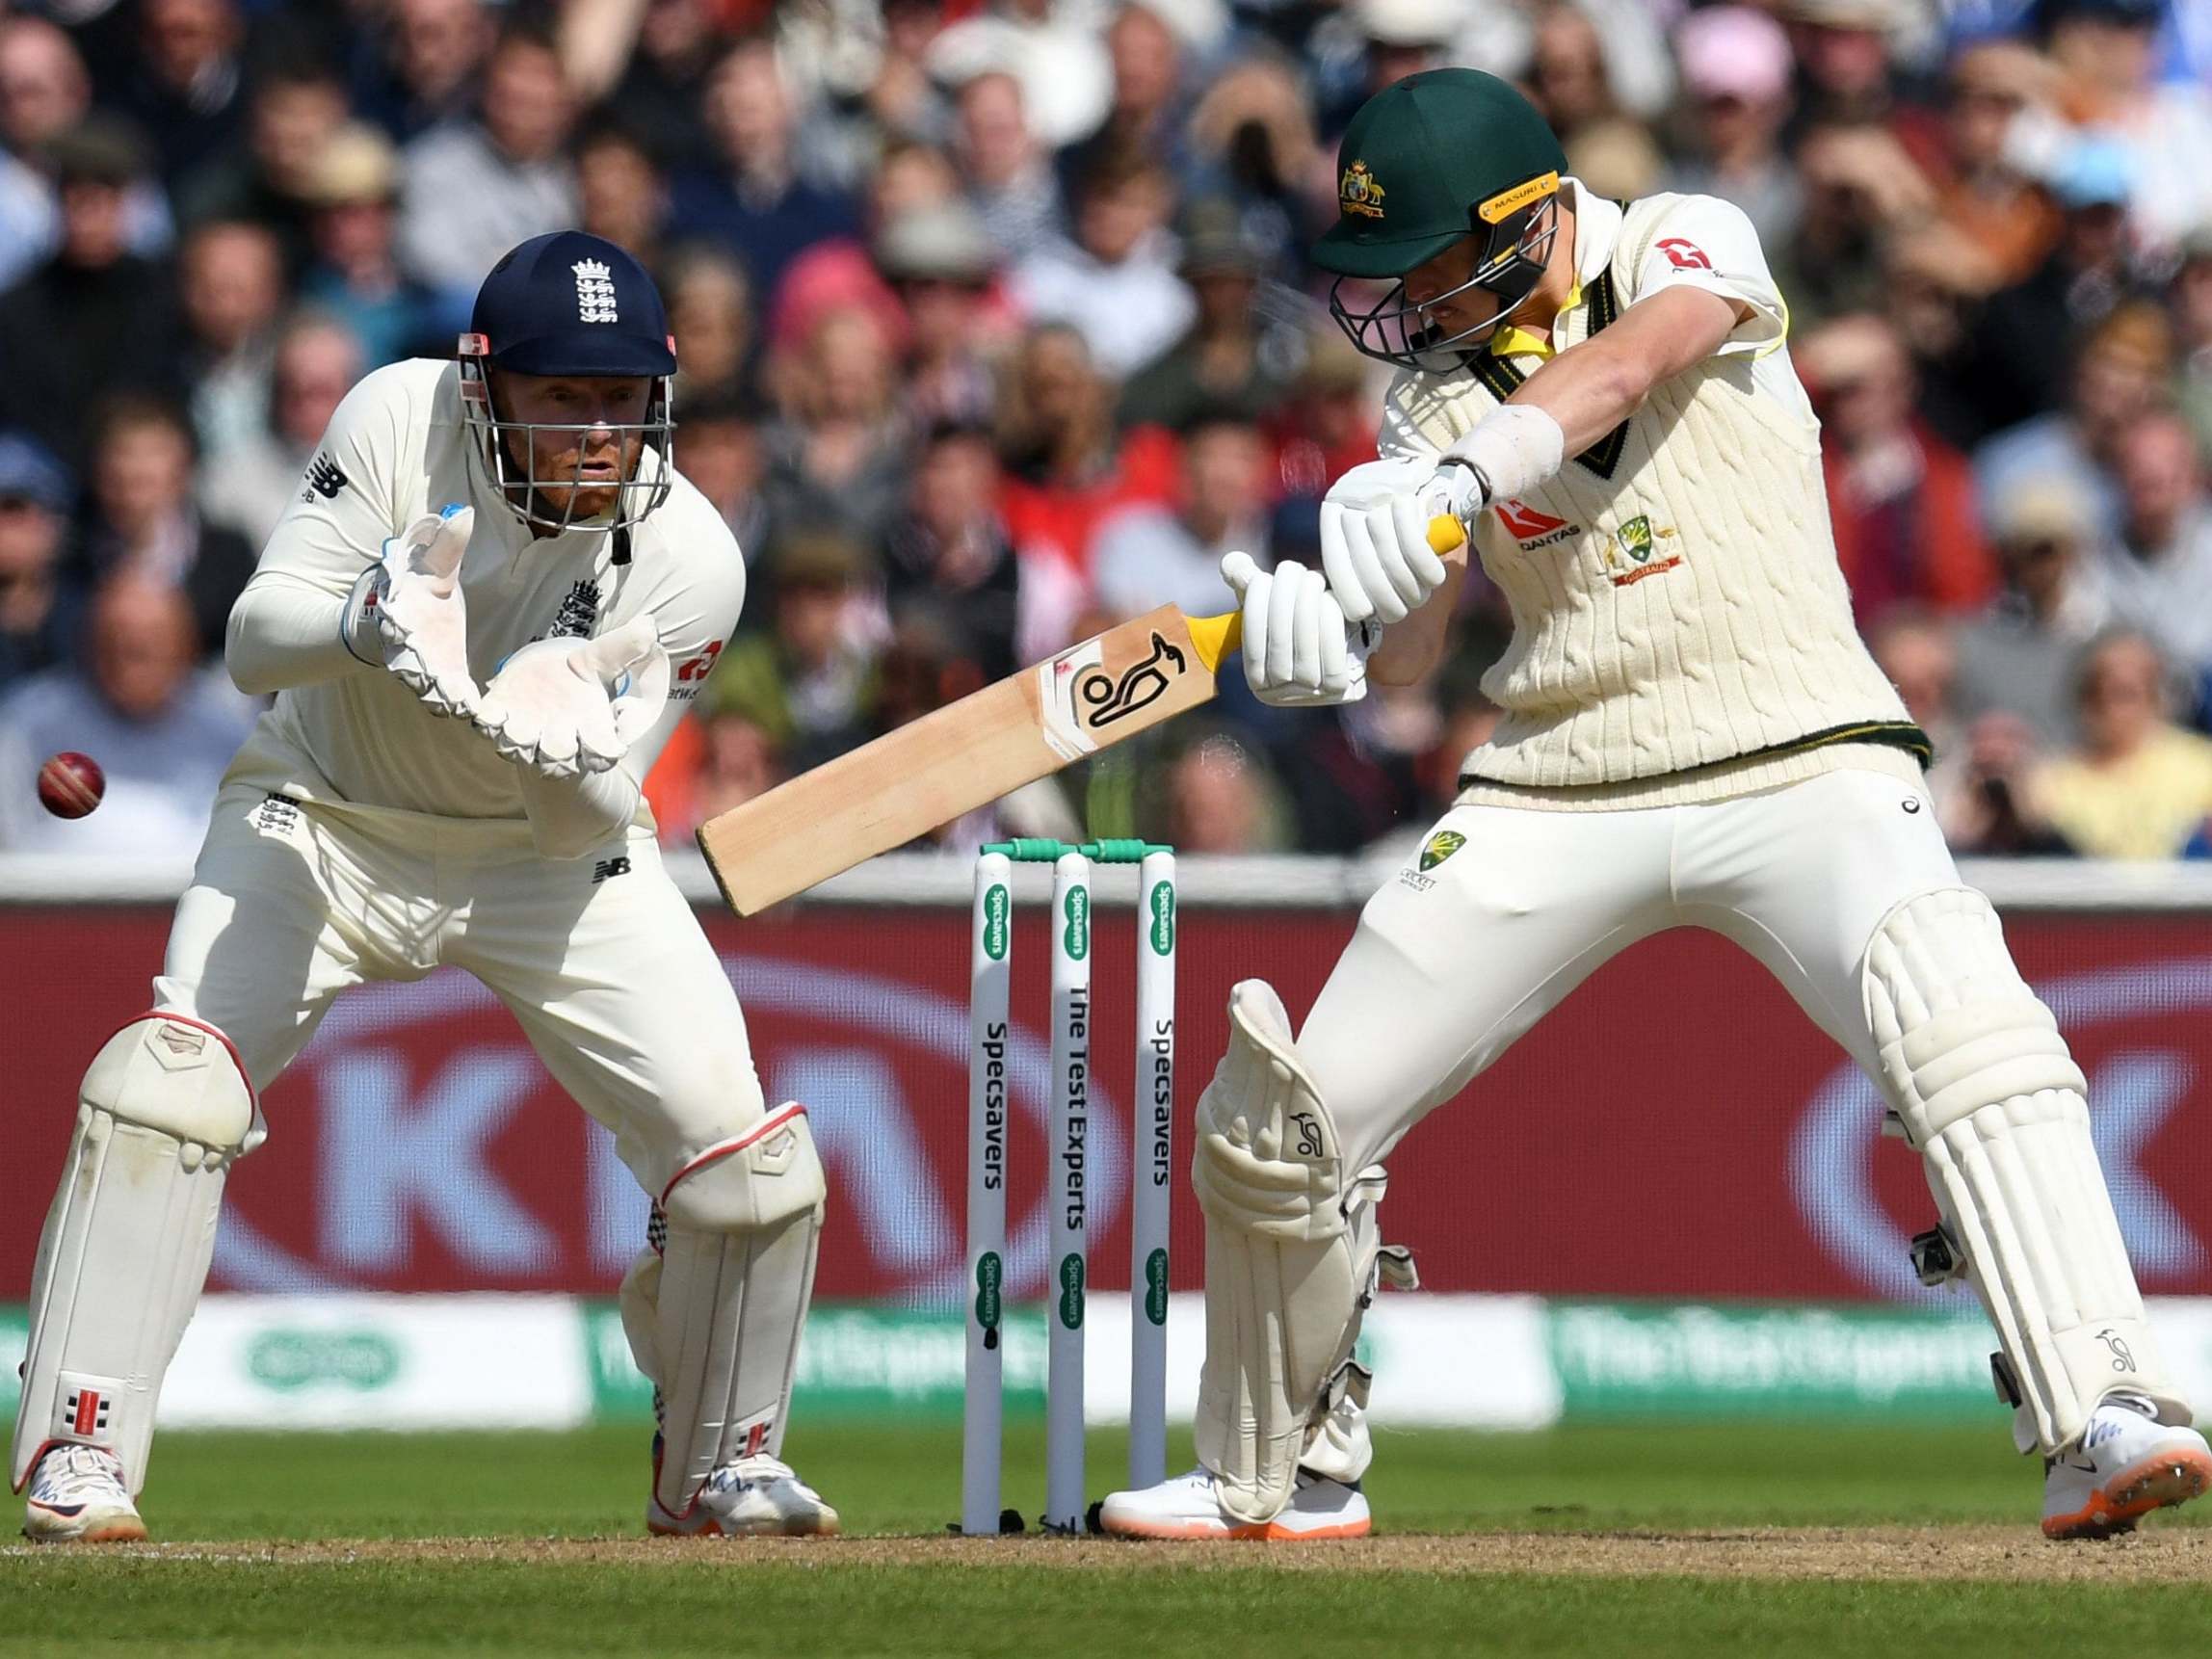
(1374, 537)
(1298, 650)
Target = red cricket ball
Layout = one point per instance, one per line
(70, 784)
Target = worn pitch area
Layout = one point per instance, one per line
(2157, 1554)
(1821, 1541)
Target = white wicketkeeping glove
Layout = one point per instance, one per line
(405, 612)
(1375, 535)
(569, 705)
(1297, 652)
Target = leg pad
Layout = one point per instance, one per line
(163, 1110)
(1983, 1086)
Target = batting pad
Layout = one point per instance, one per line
(1287, 1266)
(714, 1315)
(1982, 1082)
(163, 1113)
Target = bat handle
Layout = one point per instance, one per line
(1217, 636)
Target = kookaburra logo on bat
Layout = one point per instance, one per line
(1102, 698)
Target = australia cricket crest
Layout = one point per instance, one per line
(1438, 847)
(1628, 555)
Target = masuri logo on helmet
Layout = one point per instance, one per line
(1466, 155)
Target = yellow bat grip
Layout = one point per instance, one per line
(1215, 636)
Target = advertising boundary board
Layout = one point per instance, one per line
(1676, 1130)
(1462, 1361)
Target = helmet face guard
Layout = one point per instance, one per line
(1396, 330)
(520, 485)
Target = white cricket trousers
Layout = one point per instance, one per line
(1451, 964)
(599, 959)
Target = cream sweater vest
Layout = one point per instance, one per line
(1676, 603)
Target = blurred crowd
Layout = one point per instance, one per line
(994, 329)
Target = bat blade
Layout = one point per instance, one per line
(968, 753)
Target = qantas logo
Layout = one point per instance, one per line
(1532, 528)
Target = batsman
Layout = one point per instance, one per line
(481, 616)
(1693, 735)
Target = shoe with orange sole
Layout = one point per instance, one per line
(2127, 1464)
(1186, 1508)
(77, 1496)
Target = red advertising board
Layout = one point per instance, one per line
(1677, 1128)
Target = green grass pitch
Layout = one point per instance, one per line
(1770, 1540)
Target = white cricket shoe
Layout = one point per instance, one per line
(2127, 1465)
(754, 1497)
(1187, 1506)
(77, 1496)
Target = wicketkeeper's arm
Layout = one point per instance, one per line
(286, 628)
(570, 816)
(283, 633)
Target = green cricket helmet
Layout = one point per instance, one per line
(1427, 161)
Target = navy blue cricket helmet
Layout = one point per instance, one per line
(570, 303)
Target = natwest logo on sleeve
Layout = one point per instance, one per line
(1532, 528)
(691, 674)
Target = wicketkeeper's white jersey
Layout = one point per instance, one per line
(1680, 627)
(397, 449)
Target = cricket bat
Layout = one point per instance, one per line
(952, 760)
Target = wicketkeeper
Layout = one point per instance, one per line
(472, 616)
(1693, 735)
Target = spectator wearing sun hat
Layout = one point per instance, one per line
(1736, 68)
(354, 273)
(2017, 655)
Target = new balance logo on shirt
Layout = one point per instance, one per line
(606, 869)
(324, 479)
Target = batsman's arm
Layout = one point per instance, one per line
(1591, 387)
(920, 777)
(1410, 648)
